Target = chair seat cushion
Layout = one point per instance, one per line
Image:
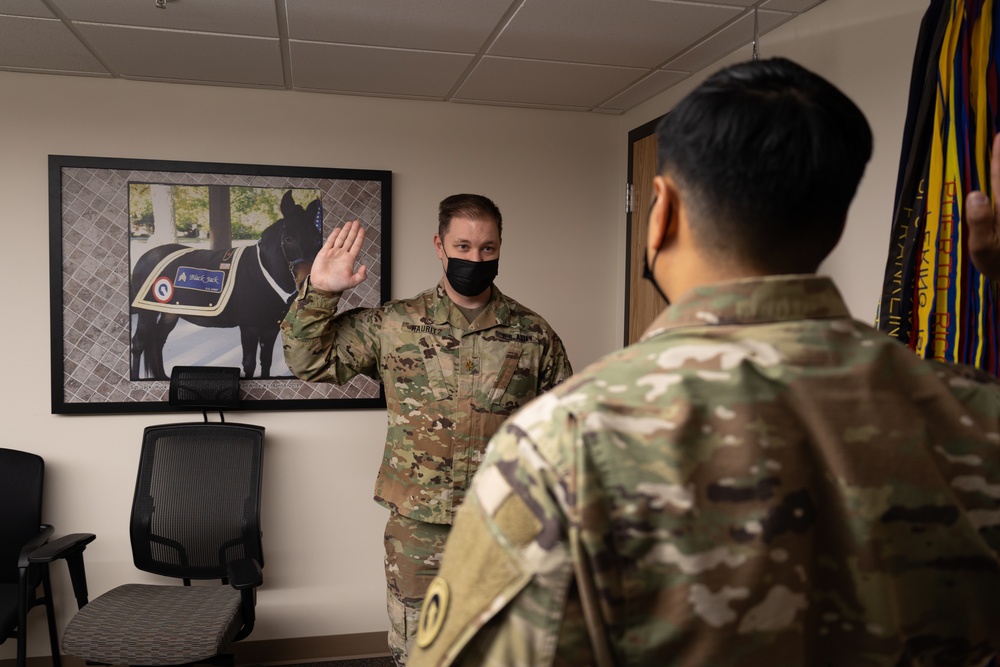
(143, 624)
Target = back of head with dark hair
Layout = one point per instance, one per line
(768, 156)
(473, 207)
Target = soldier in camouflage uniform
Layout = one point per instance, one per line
(761, 480)
(455, 361)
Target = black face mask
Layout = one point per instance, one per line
(471, 278)
(647, 273)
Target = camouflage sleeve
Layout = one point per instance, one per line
(976, 389)
(322, 346)
(505, 594)
(979, 393)
(555, 365)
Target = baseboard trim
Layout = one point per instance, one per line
(273, 651)
(310, 649)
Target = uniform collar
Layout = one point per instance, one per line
(496, 313)
(753, 301)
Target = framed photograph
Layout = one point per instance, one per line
(161, 263)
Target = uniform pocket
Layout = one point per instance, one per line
(422, 368)
(507, 370)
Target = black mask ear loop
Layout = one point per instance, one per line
(647, 267)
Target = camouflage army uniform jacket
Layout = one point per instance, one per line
(448, 384)
(761, 480)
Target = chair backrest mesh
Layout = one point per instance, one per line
(21, 477)
(197, 499)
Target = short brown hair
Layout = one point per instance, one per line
(473, 207)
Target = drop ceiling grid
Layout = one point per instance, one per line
(598, 55)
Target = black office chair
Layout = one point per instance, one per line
(26, 551)
(195, 515)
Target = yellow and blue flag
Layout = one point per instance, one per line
(933, 298)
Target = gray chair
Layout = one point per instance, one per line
(195, 516)
(27, 548)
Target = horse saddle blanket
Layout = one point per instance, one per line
(191, 281)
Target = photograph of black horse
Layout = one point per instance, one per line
(249, 287)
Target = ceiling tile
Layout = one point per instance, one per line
(734, 3)
(63, 52)
(727, 40)
(359, 69)
(25, 8)
(187, 56)
(791, 5)
(233, 17)
(544, 83)
(635, 33)
(652, 85)
(457, 26)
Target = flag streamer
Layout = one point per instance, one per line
(933, 298)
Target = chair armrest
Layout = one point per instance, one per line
(61, 547)
(44, 533)
(245, 573)
(70, 548)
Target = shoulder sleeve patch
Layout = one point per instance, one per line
(433, 612)
(479, 576)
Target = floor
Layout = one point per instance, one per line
(382, 661)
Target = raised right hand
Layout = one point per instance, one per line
(333, 269)
(983, 219)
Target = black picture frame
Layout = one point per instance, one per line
(89, 257)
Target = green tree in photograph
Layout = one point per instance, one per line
(255, 209)
(191, 211)
(140, 210)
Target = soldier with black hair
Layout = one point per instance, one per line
(761, 479)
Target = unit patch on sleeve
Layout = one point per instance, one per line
(433, 612)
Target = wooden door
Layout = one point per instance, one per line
(642, 302)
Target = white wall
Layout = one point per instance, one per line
(555, 176)
(558, 179)
(865, 47)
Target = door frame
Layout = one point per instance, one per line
(631, 291)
